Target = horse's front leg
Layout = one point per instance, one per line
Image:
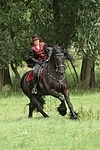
(54, 93)
(73, 114)
(62, 107)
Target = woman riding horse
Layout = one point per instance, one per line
(51, 81)
(38, 53)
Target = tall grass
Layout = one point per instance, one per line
(17, 132)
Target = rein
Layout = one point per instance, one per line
(59, 81)
(56, 78)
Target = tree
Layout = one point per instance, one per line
(19, 20)
(65, 13)
(57, 22)
(11, 31)
(88, 37)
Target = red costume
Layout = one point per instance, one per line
(39, 54)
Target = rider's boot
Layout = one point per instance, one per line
(35, 79)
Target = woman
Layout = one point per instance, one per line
(38, 53)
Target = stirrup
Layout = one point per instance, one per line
(34, 90)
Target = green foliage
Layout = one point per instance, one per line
(61, 22)
(88, 28)
(19, 21)
(12, 31)
(65, 13)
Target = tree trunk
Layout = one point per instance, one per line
(14, 68)
(87, 74)
(92, 78)
(17, 76)
(75, 77)
(7, 78)
(1, 77)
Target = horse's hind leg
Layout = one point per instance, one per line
(31, 109)
(38, 106)
(73, 114)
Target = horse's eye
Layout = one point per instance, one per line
(56, 58)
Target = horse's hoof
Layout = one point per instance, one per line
(46, 116)
(74, 117)
(63, 112)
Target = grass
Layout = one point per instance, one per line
(17, 132)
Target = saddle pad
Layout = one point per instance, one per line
(31, 75)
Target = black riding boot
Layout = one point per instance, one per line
(35, 79)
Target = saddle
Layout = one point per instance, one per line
(36, 74)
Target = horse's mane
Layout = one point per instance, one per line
(67, 55)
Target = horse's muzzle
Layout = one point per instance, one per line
(61, 69)
(61, 72)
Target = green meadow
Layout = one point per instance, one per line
(17, 132)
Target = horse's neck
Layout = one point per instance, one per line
(53, 74)
(51, 70)
(50, 66)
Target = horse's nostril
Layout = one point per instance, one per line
(61, 72)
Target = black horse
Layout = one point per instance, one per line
(51, 81)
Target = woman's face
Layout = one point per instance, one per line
(36, 42)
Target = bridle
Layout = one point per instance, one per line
(59, 65)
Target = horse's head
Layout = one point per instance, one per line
(59, 60)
